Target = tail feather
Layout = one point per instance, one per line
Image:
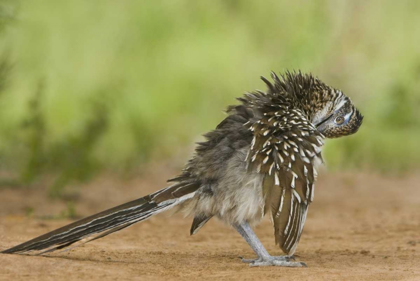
(106, 222)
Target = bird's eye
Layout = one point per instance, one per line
(339, 120)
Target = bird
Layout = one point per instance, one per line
(262, 159)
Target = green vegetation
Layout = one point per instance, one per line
(91, 85)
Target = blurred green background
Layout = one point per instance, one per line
(96, 86)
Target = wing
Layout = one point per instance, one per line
(286, 148)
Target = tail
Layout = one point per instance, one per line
(107, 222)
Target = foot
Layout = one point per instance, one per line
(274, 261)
(264, 258)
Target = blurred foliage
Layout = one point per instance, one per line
(69, 158)
(110, 84)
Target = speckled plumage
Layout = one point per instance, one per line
(277, 130)
(261, 158)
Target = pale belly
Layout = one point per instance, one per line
(235, 198)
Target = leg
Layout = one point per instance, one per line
(264, 258)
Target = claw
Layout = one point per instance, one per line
(251, 260)
(248, 260)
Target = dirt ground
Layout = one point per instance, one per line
(360, 227)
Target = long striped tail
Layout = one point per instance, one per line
(107, 222)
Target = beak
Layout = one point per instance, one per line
(321, 128)
(322, 125)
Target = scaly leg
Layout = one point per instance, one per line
(264, 258)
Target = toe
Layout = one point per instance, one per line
(249, 260)
(258, 264)
(281, 258)
(289, 264)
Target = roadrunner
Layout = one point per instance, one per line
(261, 158)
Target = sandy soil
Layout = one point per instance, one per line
(360, 227)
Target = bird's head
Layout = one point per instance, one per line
(328, 109)
(338, 118)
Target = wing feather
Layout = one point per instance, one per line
(286, 153)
